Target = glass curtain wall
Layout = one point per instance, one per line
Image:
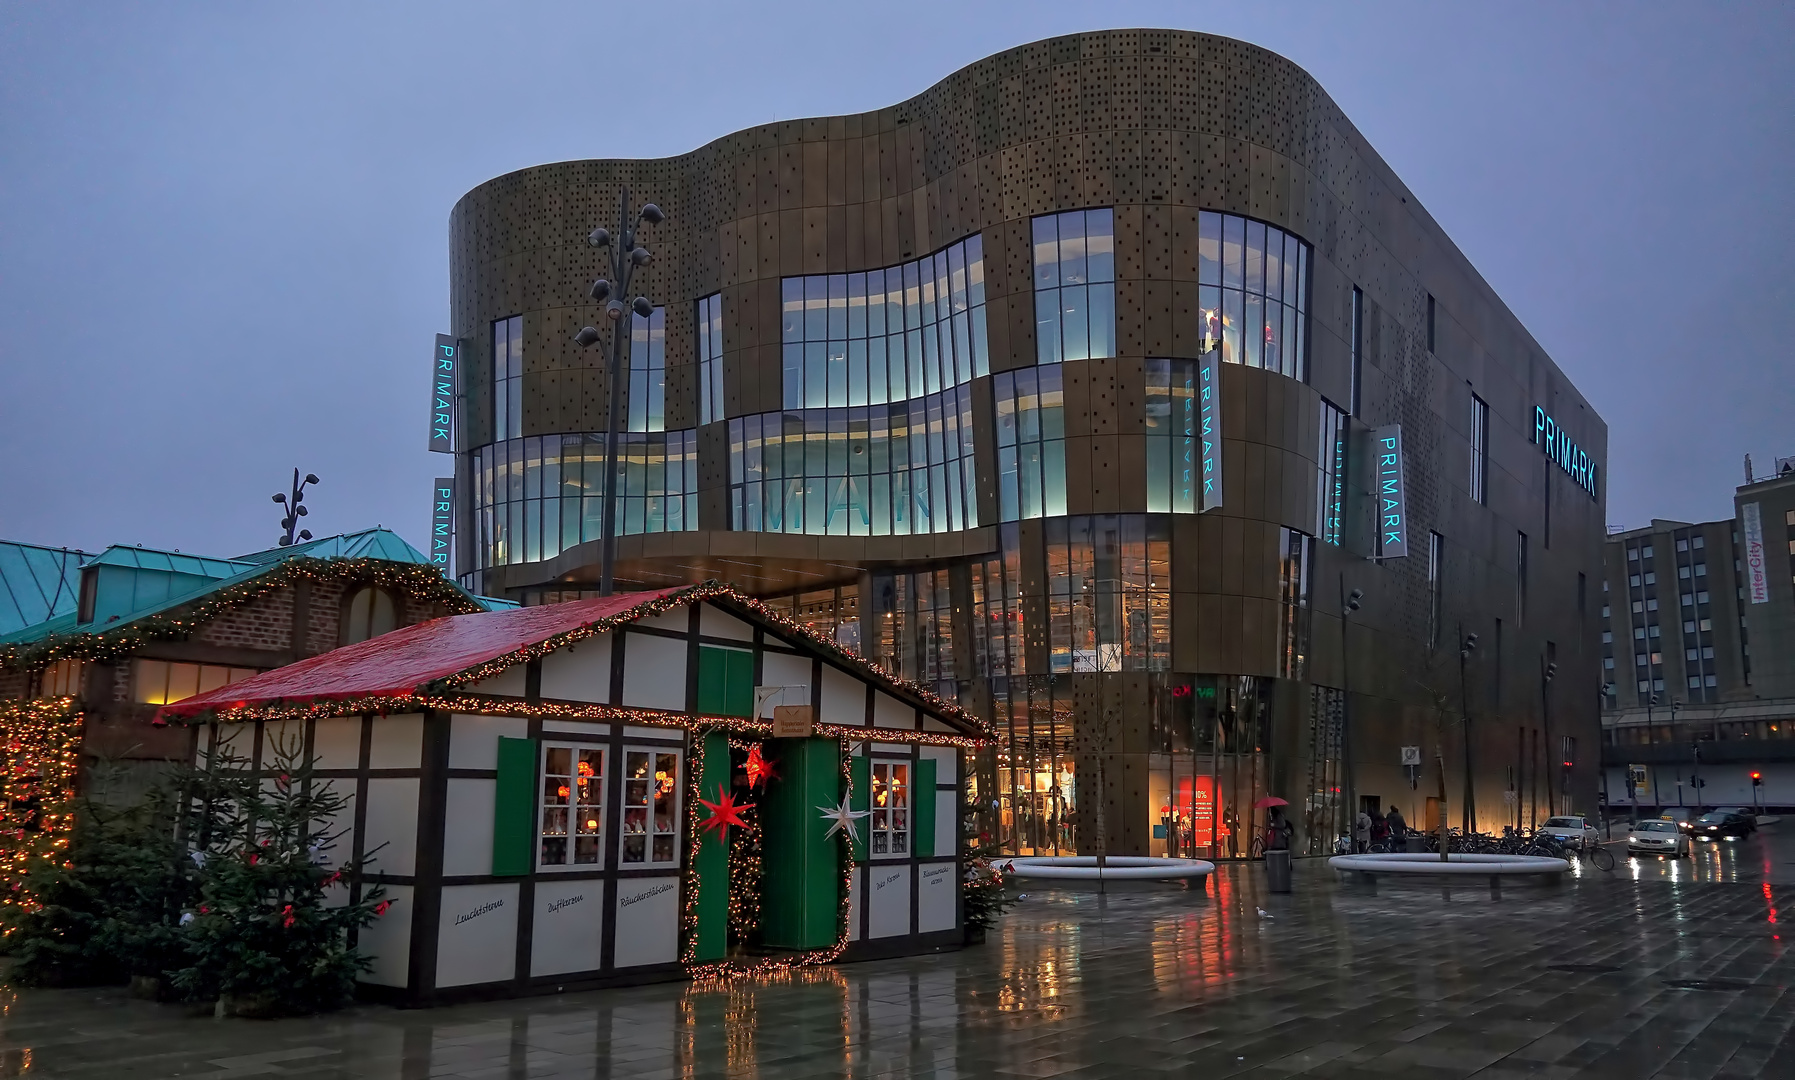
(535, 498)
(1171, 430)
(1031, 443)
(710, 358)
(1208, 739)
(1075, 285)
(1109, 592)
(885, 335)
(891, 469)
(912, 627)
(1330, 474)
(1296, 558)
(648, 372)
(1253, 289)
(833, 612)
(507, 378)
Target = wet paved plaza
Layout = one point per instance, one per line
(1578, 980)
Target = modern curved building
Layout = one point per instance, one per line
(1085, 387)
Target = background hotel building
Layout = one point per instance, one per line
(930, 376)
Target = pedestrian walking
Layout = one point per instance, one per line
(1399, 830)
(1278, 830)
(1361, 832)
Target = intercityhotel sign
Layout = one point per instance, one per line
(1757, 581)
(1558, 446)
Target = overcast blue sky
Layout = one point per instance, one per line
(223, 228)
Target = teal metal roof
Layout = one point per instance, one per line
(367, 544)
(136, 583)
(37, 583)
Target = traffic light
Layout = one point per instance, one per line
(1757, 779)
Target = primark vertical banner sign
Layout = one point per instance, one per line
(442, 394)
(1757, 580)
(442, 510)
(1209, 427)
(1392, 493)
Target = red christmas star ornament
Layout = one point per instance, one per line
(724, 813)
(758, 768)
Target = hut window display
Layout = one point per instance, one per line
(891, 808)
(573, 814)
(650, 808)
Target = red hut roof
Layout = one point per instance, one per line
(453, 652)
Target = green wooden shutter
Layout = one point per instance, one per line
(861, 774)
(801, 879)
(922, 809)
(514, 808)
(725, 681)
(739, 692)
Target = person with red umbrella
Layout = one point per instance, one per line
(1278, 828)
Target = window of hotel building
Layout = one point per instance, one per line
(1253, 282)
(1173, 458)
(369, 613)
(507, 378)
(535, 498)
(1296, 560)
(1480, 450)
(890, 469)
(1358, 343)
(1109, 585)
(1330, 482)
(1520, 578)
(885, 335)
(1031, 443)
(710, 358)
(573, 806)
(1436, 586)
(163, 682)
(1430, 322)
(1075, 285)
(650, 807)
(648, 372)
(61, 679)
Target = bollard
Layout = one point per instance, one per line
(1277, 870)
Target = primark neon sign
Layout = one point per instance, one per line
(1558, 445)
(442, 395)
(1209, 393)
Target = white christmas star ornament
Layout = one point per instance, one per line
(842, 818)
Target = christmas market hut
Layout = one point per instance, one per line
(622, 789)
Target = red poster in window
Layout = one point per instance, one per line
(1196, 807)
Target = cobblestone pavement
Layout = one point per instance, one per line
(1592, 978)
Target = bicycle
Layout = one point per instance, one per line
(1598, 855)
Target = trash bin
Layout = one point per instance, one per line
(1277, 870)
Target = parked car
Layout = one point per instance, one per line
(1679, 814)
(1658, 836)
(1720, 825)
(1746, 812)
(1574, 832)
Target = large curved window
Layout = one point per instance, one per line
(1075, 285)
(535, 498)
(879, 470)
(885, 335)
(1253, 289)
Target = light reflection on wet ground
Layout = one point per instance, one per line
(1407, 981)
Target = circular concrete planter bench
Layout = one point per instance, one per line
(1117, 868)
(1457, 865)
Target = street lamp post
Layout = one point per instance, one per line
(294, 501)
(626, 257)
(1467, 646)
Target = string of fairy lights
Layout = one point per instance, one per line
(42, 746)
(414, 579)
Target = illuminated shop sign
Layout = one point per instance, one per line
(1758, 582)
(1209, 398)
(1558, 445)
(1392, 493)
(442, 510)
(442, 394)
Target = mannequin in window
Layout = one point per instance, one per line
(369, 613)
